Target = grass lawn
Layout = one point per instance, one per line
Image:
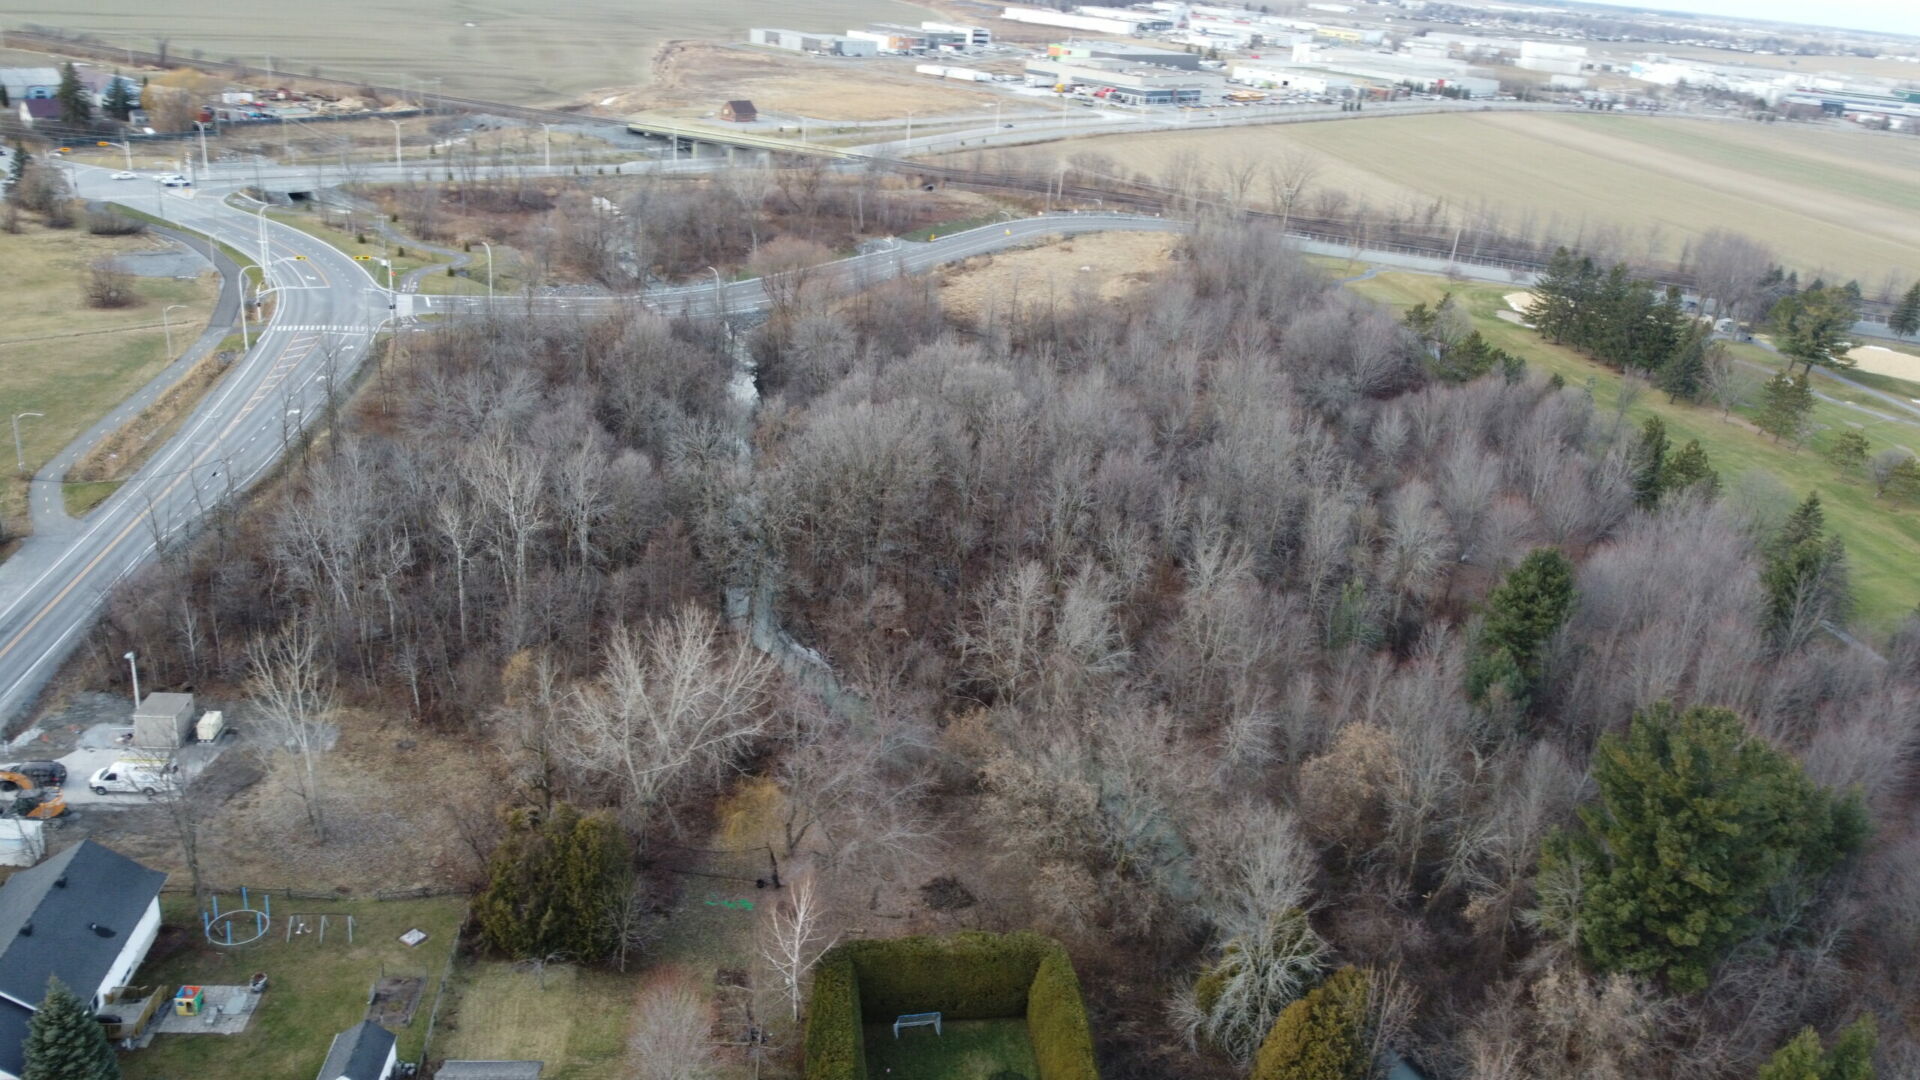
(84, 496)
(964, 1050)
(312, 224)
(71, 362)
(575, 1019)
(1883, 539)
(316, 990)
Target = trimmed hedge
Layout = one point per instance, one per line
(965, 976)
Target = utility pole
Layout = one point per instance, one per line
(546, 132)
(489, 248)
(398, 165)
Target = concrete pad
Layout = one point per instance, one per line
(104, 744)
(227, 1012)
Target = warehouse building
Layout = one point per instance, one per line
(805, 42)
(1090, 23)
(1125, 53)
(978, 37)
(1114, 81)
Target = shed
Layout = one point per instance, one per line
(740, 112)
(490, 1070)
(364, 1051)
(39, 110)
(162, 721)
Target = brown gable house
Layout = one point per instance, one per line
(739, 111)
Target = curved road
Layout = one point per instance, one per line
(52, 587)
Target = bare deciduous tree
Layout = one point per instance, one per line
(292, 688)
(794, 939)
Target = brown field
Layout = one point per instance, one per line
(1109, 266)
(1834, 201)
(692, 78)
(521, 51)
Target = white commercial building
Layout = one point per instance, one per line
(976, 36)
(1298, 80)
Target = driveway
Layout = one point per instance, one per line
(104, 744)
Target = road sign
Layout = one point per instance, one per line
(302, 258)
(364, 258)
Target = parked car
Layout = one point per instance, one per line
(128, 777)
(42, 773)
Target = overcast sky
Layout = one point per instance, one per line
(1891, 16)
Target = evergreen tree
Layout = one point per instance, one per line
(65, 1042)
(1786, 402)
(1326, 1035)
(1522, 612)
(1805, 575)
(1649, 463)
(1690, 470)
(1851, 1057)
(1557, 297)
(1903, 481)
(555, 886)
(21, 159)
(1684, 376)
(75, 109)
(1905, 320)
(1848, 452)
(1811, 327)
(118, 102)
(5, 101)
(1697, 824)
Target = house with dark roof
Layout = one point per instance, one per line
(87, 916)
(39, 110)
(739, 111)
(364, 1051)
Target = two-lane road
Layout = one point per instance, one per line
(326, 308)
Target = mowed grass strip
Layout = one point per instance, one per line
(1883, 538)
(573, 1019)
(964, 1050)
(71, 362)
(316, 989)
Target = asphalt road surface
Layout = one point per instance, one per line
(52, 588)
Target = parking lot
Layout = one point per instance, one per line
(104, 744)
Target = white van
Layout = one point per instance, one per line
(129, 777)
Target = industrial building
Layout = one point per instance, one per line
(1552, 58)
(1295, 79)
(978, 37)
(1125, 53)
(805, 42)
(1115, 81)
(1097, 24)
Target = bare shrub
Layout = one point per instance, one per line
(108, 286)
(108, 223)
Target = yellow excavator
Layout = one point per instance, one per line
(26, 799)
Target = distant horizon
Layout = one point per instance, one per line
(1879, 16)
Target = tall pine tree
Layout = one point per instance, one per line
(1786, 401)
(118, 102)
(1811, 327)
(1851, 1057)
(65, 1042)
(1522, 612)
(75, 109)
(1905, 320)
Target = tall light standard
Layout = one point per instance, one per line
(127, 147)
(489, 248)
(20, 455)
(168, 324)
(546, 132)
(397, 163)
(135, 669)
(205, 168)
(909, 148)
(719, 293)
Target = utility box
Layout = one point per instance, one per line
(163, 721)
(211, 725)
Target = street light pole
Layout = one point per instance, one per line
(909, 148)
(206, 169)
(135, 669)
(397, 163)
(489, 248)
(168, 324)
(546, 132)
(20, 455)
(719, 293)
